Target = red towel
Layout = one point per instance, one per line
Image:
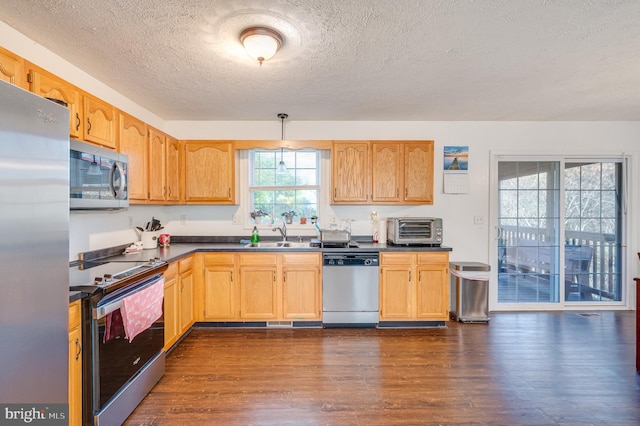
(114, 328)
(142, 309)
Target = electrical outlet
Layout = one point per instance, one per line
(183, 219)
(478, 219)
(235, 219)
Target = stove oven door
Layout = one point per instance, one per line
(116, 360)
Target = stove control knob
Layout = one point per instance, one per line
(97, 280)
(108, 277)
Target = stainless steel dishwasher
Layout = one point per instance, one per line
(350, 289)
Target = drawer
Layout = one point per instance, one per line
(257, 259)
(185, 264)
(219, 258)
(172, 270)
(396, 258)
(434, 257)
(312, 259)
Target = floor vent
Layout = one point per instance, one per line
(588, 314)
(279, 324)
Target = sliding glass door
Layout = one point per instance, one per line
(559, 232)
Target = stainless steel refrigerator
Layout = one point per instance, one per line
(34, 256)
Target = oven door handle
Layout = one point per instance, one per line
(115, 304)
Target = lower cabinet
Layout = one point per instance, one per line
(414, 286)
(261, 287)
(178, 300)
(75, 364)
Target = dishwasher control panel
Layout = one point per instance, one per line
(343, 259)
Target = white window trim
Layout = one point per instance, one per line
(323, 197)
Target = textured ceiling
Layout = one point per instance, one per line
(354, 59)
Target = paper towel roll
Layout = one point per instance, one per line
(382, 231)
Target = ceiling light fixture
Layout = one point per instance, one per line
(261, 43)
(282, 168)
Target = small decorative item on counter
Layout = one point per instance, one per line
(164, 240)
(303, 220)
(374, 226)
(255, 236)
(314, 219)
(288, 216)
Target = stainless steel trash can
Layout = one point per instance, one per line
(469, 291)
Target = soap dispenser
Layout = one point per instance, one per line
(255, 236)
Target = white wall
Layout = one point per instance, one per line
(469, 241)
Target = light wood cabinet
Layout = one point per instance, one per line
(301, 286)
(12, 69)
(48, 85)
(386, 172)
(414, 286)
(396, 172)
(157, 165)
(133, 143)
(178, 300)
(258, 286)
(208, 168)
(75, 364)
(100, 122)
(171, 308)
(185, 282)
(350, 173)
(172, 177)
(418, 172)
(220, 292)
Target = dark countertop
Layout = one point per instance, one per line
(177, 250)
(75, 295)
(188, 245)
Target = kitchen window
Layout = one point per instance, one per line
(297, 189)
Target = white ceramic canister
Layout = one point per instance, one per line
(149, 239)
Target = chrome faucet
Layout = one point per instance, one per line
(283, 230)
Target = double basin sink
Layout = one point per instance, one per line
(279, 244)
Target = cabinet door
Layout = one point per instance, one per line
(173, 170)
(418, 172)
(100, 126)
(171, 297)
(258, 292)
(157, 165)
(208, 169)
(75, 365)
(219, 293)
(12, 69)
(49, 86)
(396, 292)
(386, 172)
(350, 172)
(301, 293)
(432, 292)
(133, 142)
(186, 300)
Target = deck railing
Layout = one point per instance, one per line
(597, 278)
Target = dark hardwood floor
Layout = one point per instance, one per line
(564, 368)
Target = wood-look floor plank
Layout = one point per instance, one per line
(521, 369)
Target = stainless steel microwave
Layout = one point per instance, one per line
(414, 231)
(98, 178)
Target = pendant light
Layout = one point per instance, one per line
(282, 168)
(94, 168)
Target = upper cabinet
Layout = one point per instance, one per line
(208, 172)
(49, 86)
(12, 69)
(396, 172)
(418, 172)
(157, 165)
(133, 142)
(350, 173)
(173, 170)
(100, 122)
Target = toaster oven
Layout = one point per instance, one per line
(425, 231)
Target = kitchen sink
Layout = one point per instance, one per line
(279, 244)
